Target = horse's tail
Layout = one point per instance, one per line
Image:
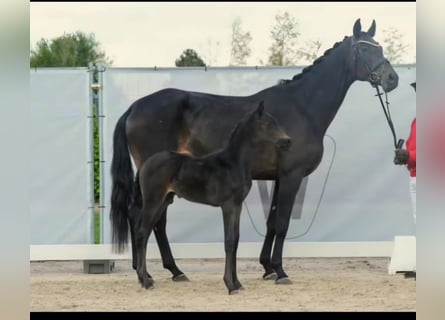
(122, 183)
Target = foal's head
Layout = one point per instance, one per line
(264, 128)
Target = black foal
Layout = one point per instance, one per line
(221, 179)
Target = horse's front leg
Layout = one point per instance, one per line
(265, 260)
(231, 216)
(289, 186)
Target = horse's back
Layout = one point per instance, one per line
(179, 120)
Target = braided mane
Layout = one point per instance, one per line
(309, 68)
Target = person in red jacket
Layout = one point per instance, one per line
(408, 157)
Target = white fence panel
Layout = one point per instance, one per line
(60, 157)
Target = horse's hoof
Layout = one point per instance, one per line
(241, 288)
(180, 278)
(284, 280)
(236, 291)
(146, 282)
(147, 285)
(270, 276)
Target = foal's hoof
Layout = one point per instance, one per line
(180, 278)
(146, 281)
(270, 276)
(236, 291)
(147, 284)
(284, 280)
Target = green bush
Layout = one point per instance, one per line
(96, 155)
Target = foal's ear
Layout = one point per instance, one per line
(357, 28)
(260, 109)
(371, 30)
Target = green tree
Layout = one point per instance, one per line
(393, 46)
(240, 44)
(284, 34)
(189, 58)
(69, 50)
(74, 50)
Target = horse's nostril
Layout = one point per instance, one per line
(393, 77)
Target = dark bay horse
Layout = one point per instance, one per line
(199, 123)
(221, 179)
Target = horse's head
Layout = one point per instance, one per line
(369, 62)
(267, 129)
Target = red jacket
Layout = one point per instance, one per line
(411, 147)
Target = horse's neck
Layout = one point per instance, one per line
(325, 86)
(240, 149)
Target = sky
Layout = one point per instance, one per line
(147, 34)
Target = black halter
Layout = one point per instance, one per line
(373, 77)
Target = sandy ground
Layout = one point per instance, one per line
(321, 284)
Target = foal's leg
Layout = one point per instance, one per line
(269, 273)
(289, 186)
(164, 248)
(153, 202)
(231, 217)
(142, 233)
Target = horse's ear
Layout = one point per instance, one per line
(357, 28)
(371, 30)
(260, 109)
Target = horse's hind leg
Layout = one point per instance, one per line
(161, 237)
(269, 272)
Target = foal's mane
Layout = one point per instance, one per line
(309, 68)
(238, 126)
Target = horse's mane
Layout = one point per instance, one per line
(309, 68)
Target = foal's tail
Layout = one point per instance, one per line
(122, 184)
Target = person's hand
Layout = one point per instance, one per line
(401, 156)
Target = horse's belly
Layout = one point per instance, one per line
(197, 193)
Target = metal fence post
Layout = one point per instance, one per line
(90, 126)
(100, 117)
